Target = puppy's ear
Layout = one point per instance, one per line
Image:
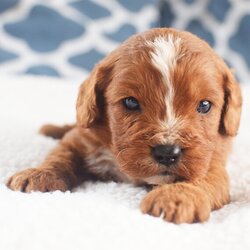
(90, 102)
(230, 116)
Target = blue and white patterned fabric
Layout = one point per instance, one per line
(66, 37)
(224, 24)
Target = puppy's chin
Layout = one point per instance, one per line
(160, 179)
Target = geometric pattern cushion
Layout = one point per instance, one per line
(65, 37)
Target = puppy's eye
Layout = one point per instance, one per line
(131, 103)
(204, 106)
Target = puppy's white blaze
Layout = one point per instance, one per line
(165, 54)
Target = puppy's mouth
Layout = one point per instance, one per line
(165, 173)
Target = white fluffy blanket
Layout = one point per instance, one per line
(98, 216)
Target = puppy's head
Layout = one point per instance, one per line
(165, 103)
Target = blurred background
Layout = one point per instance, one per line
(65, 38)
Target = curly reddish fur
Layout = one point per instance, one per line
(110, 143)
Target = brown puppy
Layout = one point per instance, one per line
(161, 110)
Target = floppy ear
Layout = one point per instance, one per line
(90, 101)
(230, 116)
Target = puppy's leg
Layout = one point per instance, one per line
(62, 170)
(189, 202)
(56, 132)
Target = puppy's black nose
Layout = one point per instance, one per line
(166, 154)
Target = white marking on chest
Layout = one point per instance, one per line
(165, 54)
(102, 163)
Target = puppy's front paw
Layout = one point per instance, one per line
(178, 203)
(43, 180)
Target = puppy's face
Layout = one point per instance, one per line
(166, 102)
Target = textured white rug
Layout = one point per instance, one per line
(98, 216)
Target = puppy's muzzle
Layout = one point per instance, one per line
(166, 154)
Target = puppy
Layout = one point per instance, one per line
(159, 110)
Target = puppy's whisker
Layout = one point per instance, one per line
(132, 123)
(185, 170)
(121, 151)
(117, 156)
